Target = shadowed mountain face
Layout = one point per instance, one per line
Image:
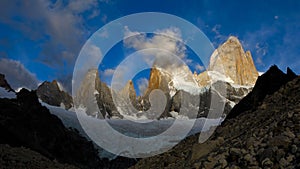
(267, 136)
(266, 84)
(31, 137)
(24, 122)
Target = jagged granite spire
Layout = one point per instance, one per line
(231, 60)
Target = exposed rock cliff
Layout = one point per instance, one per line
(231, 60)
(50, 92)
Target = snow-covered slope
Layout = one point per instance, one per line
(129, 128)
(181, 78)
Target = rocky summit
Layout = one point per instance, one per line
(92, 90)
(231, 60)
(267, 136)
(51, 93)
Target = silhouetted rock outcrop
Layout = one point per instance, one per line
(266, 84)
(4, 84)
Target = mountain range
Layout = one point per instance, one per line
(260, 128)
(229, 77)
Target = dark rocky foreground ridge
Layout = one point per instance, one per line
(21, 157)
(265, 85)
(265, 136)
(25, 122)
(31, 137)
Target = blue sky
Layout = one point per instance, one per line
(43, 37)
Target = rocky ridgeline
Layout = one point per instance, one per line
(266, 84)
(267, 136)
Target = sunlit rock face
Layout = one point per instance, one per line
(229, 77)
(231, 60)
(158, 80)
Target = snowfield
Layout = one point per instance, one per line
(132, 128)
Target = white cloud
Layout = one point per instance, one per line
(108, 72)
(142, 85)
(17, 75)
(161, 47)
(79, 6)
(167, 39)
(128, 33)
(199, 68)
(91, 56)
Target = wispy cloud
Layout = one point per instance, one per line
(261, 50)
(218, 37)
(199, 68)
(256, 42)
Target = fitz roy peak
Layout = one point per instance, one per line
(231, 60)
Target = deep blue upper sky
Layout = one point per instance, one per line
(44, 37)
